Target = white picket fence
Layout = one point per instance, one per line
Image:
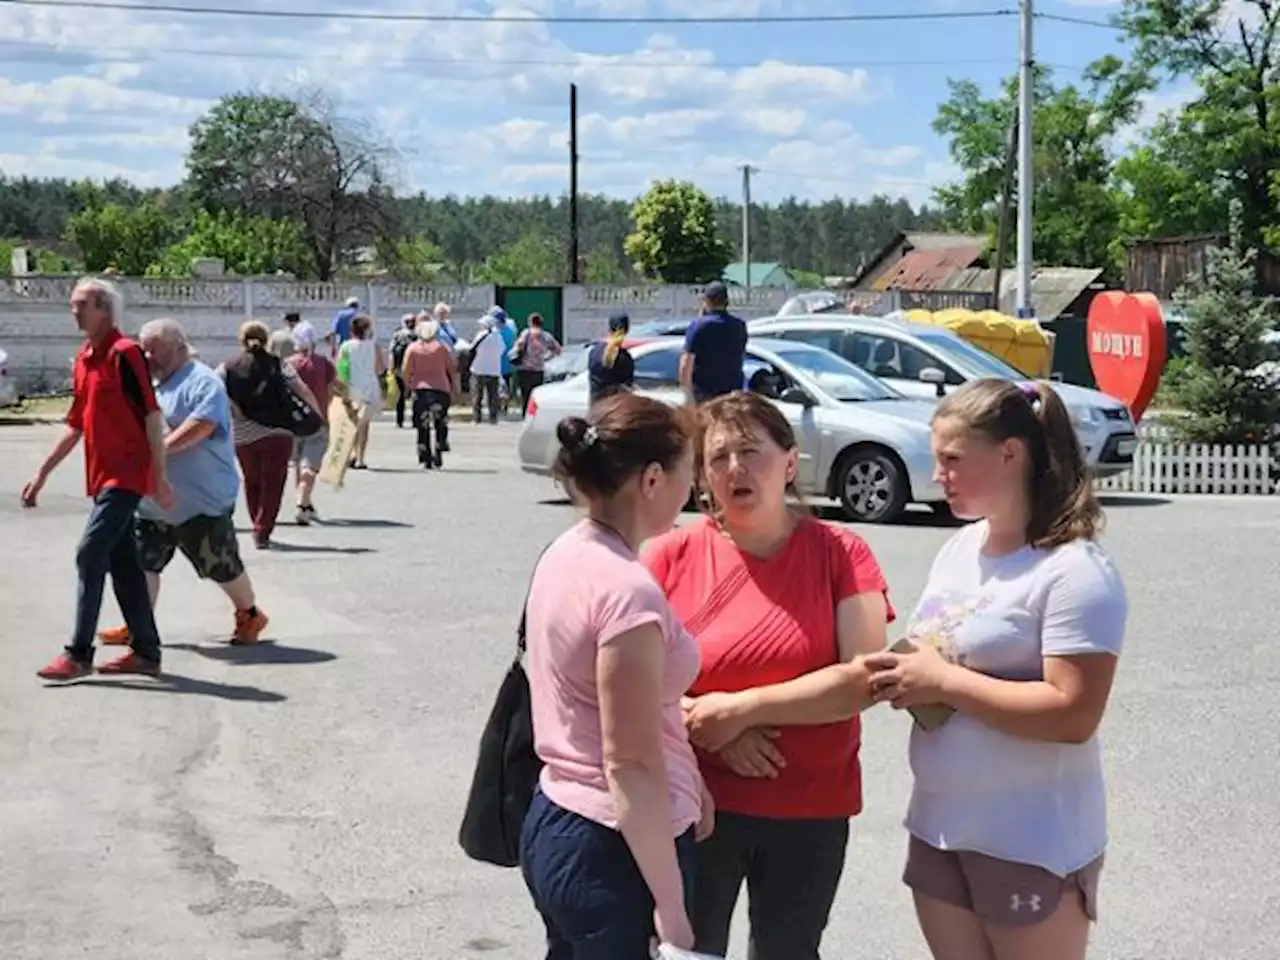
(1163, 464)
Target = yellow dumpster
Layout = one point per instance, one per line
(1022, 344)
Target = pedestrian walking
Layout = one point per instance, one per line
(487, 353)
(400, 341)
(534, 347)
(431, 373)
(114, 412)
(200, 453)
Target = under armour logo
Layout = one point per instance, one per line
(1016, 902)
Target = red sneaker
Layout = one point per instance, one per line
(131, 663)
(65, 667)
(249, 627)
(114, 636)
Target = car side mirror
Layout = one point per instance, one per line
(796, 395)
(936, 377)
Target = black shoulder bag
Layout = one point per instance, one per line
(507, 768)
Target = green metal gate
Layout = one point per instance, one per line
(519, 302)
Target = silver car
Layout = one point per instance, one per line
(861, 443)
(8, 388)
(926, 361)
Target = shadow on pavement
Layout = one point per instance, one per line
(172, 683)
(278, 546)
(467, 470)
(379, 524)
(1125, 500)
(556, 502)
(264, 652)
(912, 518)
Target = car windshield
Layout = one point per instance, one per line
(836, 376)
(966, 355)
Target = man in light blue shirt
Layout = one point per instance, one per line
(201, 459)
(340, 329)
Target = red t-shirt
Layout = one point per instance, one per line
(318, 373)
(112, 398)
(765, 621)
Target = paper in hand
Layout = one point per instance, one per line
(930, 716)
(667, 952)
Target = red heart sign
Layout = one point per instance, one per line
(1127, 346)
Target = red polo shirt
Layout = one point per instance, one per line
(112, 398)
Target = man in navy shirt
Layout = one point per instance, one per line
(714, 347)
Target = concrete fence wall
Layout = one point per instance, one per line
(37, 331)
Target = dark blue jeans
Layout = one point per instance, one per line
(587, 886)
(109, 546)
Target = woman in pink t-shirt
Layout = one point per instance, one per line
(608, 847)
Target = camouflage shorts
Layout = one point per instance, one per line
(208, 542)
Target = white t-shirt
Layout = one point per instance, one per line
(976, 788)
(487, 351)
(362, 355)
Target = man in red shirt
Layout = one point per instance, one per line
(114, 410)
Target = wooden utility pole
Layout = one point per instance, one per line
(1002, 230)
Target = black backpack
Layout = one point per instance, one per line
(256, 384)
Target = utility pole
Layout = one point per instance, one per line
(1026, 104)
(747, 170)
(574, 271)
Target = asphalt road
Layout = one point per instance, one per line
(301, 799)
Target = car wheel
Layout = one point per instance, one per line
(871, 486)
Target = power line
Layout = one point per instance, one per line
(45, 53)
(819, 18)
(1078, 21)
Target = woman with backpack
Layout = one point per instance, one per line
(265, 419)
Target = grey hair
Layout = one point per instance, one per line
(441, 309)
(167, 330)
(108, 293)
(427, 330)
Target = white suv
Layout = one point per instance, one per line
(925, 361)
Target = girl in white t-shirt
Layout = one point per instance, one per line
(1018, 632)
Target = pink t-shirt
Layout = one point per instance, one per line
(588, 590)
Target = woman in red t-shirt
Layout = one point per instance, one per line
(783, 607)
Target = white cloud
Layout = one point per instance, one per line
(472, 107)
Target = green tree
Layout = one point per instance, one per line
(273, 157)
(247, 246)
(1076, 211)
(675, 238)
(602, 266)
(533, 260)
(1225, 143)
(128, 239)
(1226, 322)
(414, 259)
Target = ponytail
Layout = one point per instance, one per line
(1063, 505)
(612, 346)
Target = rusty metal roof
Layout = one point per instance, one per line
(928, 269)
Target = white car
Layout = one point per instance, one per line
(926, 361)
(8, 388)
(861, 443)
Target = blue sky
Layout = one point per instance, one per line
(472, 108)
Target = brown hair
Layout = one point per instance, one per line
(535, 320)
(254, 335)
(625, 434)
(1060, 486)
(360, 326)
(741, 413)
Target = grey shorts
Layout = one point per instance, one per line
(309, 451)
(1000, 892)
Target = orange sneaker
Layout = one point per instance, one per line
(249, 627)
(114, 636)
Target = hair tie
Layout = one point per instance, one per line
(1031, 390)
